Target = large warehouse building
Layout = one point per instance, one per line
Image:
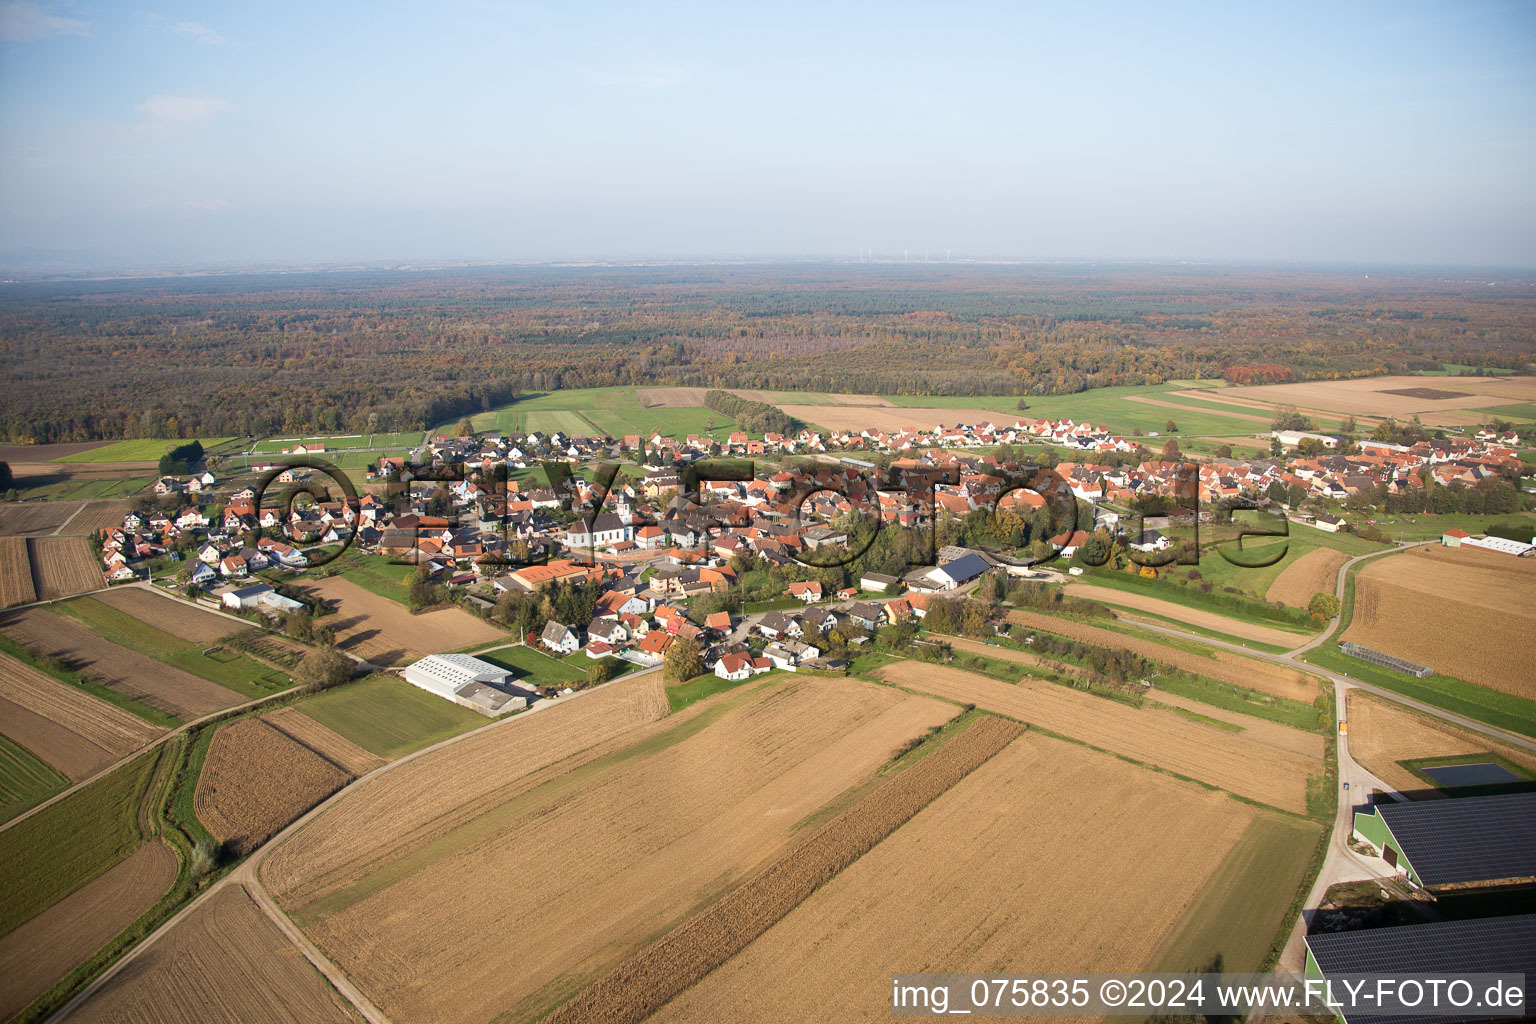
(1457, 843)
(478, 685)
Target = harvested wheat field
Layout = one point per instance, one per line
(43, 950)
(224, 962)
(893, 418)
(1255, 730)
(64, 567)
(662, 827)
(256, 780)
(1400, 397)
(1460, 616)
(1181, 613)
(66, 727)
(409, 805)
(1048, 855)
(1316, 572)
(385, 632)
(1164, 404)
(1235, 669)
(1383, 732)
(171, 615)
(1209, 754)
(644, 982)
(326, 742)
(1229, 396)
(36, 518)
(106, 514)
(130, 672)
(15, 572)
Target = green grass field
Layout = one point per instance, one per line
(1107, 407)
(226, 666)
(378, 575)
(1191, 596)
(142, 450)
(1504, 710)
(388, 716)
(1255, 581)
(536, 667)
(339, 443)
(1243, 909)
(1422, 526)
(615, 411)
(25, 780)
(63, 846)
(83, 488)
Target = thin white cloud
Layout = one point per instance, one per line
(651, 76)
(197, 30)
(24, 20)
(167, 109)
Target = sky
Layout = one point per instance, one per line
(293, 133)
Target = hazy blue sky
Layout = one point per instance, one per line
(321, 130)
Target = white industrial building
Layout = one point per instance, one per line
(475, 684)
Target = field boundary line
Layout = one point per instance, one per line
(59, 530)
(328, 970)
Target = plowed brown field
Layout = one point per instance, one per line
(663, 827)
(1462, 617)
(130, 672)
(64, 566)
(1235, 669)
(386, 633)
(15, 572)
(1181, 613)
(71, 730)
(1374, 395)
(1383, 732)
(1049, 853)
(1316, 572)
(646, 981)
(1211, 755)
(171, 615)
(36, 518)
(100, 515)
(46, 948)
(856, 418)
(409, 805)
(256, 780)
(326, 742)
(224, 962)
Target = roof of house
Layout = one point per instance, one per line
(1471, 839)
(1456, 533)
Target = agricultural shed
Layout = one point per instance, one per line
(1490, 945)
(1471, 841)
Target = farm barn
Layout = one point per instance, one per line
(477, 685)
(1464, 842)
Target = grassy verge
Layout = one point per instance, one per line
(1218, 694)
(106, 693)
(1258, 613)
(378, 575)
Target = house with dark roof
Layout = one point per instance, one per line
(1456, 843)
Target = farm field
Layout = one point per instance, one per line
(126, 671)
(403, 802)
(1255, 730)
(25, 779)
(387, 716)
(1382, 733)
(328, 743)
(614, 411)
(1316, 572)
(96, 516)
(64, 726)
(386, 633)
(1457, 614)
(340, 442)
(143, 450)
(15, 573)
(226, 961)
(665, 824)
(536, 667)
(1193, 749)
(1107, 407)
(1193, 616)
(644, 982)
(256, 779)
(64, 566)
(1374, 396)
(56, 482)
(36, 518)
(896, 418)
(1024, 840)
(45, 949)
(181, 619)
(1228, 668)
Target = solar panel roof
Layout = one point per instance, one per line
(1491, 945)
(1472, 839)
